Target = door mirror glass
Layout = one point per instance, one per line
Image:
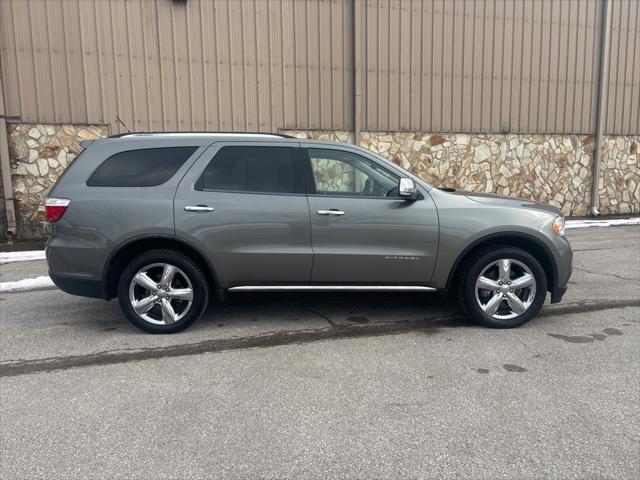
(408, 189)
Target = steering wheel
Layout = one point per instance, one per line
(393, 190)
(368, 187)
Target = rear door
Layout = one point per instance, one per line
(362, 231)
(244, 204)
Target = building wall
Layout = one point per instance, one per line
(494, 95)
(3, 214)
(502, 66)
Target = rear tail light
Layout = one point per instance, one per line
(55, 208)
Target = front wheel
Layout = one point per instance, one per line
(502, 287)
(162, 291)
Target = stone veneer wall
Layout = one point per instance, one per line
(619, 182)
(39, 153)
(554, 169)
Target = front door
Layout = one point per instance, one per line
(244, 206)
(362, 232)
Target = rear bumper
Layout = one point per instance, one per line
(80, 287)
(75, 265)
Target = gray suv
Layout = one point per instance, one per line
(166, 221)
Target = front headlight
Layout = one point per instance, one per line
(558, 226)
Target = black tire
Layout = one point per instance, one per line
(187, 268)
(473, 267)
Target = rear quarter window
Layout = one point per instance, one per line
(140, 168)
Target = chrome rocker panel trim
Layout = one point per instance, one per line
(331, 288)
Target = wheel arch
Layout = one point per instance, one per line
(135, 246)
(529, 243)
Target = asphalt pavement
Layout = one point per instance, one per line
(328, 386)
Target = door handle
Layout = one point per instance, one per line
(333, 211)
(198, 208)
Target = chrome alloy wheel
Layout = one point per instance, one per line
(505, 289)
(161, 293)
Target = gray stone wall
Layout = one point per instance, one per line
(619, 182)
(39, 153)
(553, 169)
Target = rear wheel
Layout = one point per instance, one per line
(502, 287)
(162, 291)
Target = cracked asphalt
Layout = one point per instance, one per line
(329, 386)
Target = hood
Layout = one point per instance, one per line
(501, 200)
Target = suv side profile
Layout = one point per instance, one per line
(166, 221)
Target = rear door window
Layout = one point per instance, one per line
(140, 168)
(251, 169)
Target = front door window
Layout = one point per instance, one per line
(341, 173)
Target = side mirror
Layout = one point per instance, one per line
(408, 189)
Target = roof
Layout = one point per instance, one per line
(195, 138)
(201, 135)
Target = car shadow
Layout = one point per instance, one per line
(258, 312)
(333, 308)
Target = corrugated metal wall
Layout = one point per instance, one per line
(261, 65)
(622, 94)
(194, 65)
(499, 66)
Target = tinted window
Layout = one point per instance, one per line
(337, 172)
(140, 168)
(250, 169)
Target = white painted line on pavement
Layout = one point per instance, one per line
(10, 257)
(26, 284)
(602, 223)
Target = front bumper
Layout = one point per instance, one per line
(557, 294)
(563, 259)
(564, 270)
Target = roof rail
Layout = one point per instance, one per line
(280, 135)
